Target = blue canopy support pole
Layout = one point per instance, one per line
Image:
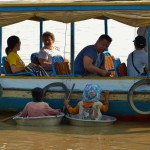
(106, 27)
(41, 32)
(72, 47)
(0, 50)
(148, 51)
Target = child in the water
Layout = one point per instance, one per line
(90, 107)
(38, 108)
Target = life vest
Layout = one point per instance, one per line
(90, 113)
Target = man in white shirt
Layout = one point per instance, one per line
(137, 61)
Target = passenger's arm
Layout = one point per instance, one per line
(45, 63)
(24, 113)
(102, 67)
(105, 106)
(50, 110)
(14, 69)
(71, 110)
(87, 61)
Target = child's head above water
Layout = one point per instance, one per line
(91, 93)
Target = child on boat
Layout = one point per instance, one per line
(90, 107)
(38, 108)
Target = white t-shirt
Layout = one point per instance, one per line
(140, 59)
(48, 54)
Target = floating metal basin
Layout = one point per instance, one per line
(106, 120)
(39, 121)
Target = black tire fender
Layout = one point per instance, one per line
(130, 93)
(55, 84)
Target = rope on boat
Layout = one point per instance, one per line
(130, 93)
(55, 84)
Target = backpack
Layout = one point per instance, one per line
(122, 69)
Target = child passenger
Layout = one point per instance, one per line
(90, 107)
(38, 108)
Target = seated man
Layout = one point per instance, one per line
(137, 61)
(90, 60)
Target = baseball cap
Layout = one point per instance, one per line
(140, 41)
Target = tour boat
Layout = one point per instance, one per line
(129, 96)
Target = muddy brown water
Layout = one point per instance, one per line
(119, 136)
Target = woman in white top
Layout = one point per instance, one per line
(48, 51)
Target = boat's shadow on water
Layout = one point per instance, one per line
(64, 128)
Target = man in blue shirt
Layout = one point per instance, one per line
(91, 60)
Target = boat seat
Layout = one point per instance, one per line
(109, 63)
(112, 63)
(117, 63)
(122, 69)
(59, 67)
(34, 58)
(7, 70)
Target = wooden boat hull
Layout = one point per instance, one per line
(39, 121)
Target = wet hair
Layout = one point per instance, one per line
(11, 43)
(48, 34)
(37, 94)
(106, 37)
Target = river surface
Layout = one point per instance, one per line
(118, 136)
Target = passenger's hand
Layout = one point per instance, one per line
(19, 114)
(32, 64)
(105, 73)
(59, 110)
(66, 102)
(106, 95)
(106, 92)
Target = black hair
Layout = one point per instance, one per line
(11, 43)
(140, 42)
(37, 94)
(106, 37)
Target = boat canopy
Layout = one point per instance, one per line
(133, 13)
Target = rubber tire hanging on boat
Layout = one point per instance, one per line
(55, 84)
(130, 93)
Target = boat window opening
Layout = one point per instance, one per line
(65, 41)
(66, 51)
